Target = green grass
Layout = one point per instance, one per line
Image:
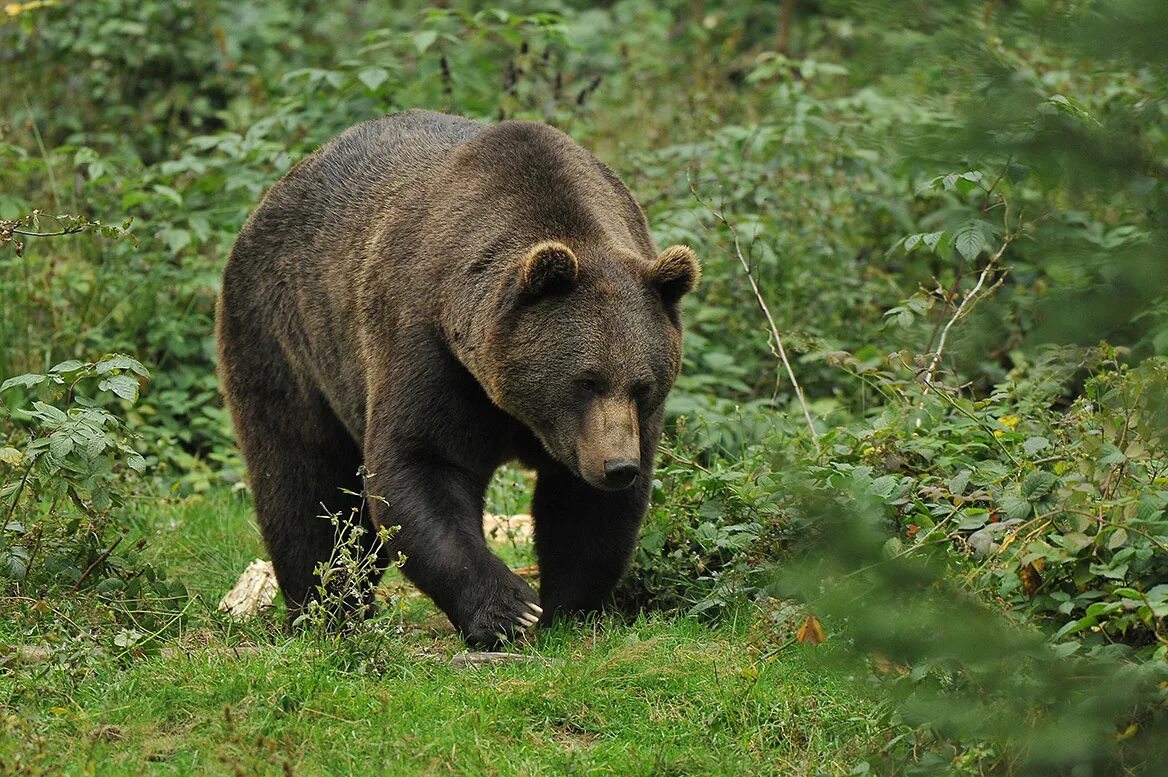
(656, 696)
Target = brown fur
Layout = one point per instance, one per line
(431, 297)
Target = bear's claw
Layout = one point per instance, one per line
(504, 611)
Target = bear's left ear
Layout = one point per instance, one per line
(549, 267)
(675, 273)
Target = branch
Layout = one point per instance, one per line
(967, 303)
(776, 341)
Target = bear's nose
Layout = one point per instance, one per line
(620, 473)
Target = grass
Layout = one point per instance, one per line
(660, 695)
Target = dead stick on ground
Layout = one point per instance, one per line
(776, 341)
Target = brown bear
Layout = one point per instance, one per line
(429, 297)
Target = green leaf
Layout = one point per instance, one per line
(72, 365)
(1014, 507)
(373, 77)
(1074, 541)
(969, 240)
(50, 413)
(136, 462)
(959, 481)
(967, 182)
(176, 239)
(1110, 571)
(60, 445)
(119, 361)
(14, 562)
(933, 239)
(1112, 456)
(169, 193)
(94, 445)
(23, 380)
(424, 39)
(1034, 445)
(1157, 598)
(11, 456)
(1117, 538)
(1037, 485)
(125, 386)
(109, 585)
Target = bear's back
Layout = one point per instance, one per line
(361, 170)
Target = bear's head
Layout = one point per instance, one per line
(585, 350)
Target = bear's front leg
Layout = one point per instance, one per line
(432, 442)
(584, 538)
(438, 507)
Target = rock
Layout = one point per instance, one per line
(254, 591)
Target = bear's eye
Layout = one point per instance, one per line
(641, 391)
(588, 385)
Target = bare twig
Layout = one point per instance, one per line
(683, 460)
(967, 302)
(776, 340)
(786, 13)
(105, 554)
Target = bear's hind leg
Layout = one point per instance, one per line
(299, 458)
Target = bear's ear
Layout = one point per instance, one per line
(675, 273)
(549, 267)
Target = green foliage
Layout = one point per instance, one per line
(69, 466)
(968, 690)
(342, 618)
(927, 196)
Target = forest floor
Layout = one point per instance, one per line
(659, 695)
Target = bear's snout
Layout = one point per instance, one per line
(621, 473)
(609, 447)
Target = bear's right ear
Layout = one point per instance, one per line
(675, 273)
(549, 267)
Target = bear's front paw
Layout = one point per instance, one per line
(503, 610)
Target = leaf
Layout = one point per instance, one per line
(50, 413)
(959, 481)
(1117, 538)
(109, 585)
(1074, 541)
(60, 445)
(23, 380)
(1158, 600)
(1014, 507)
(811, 632)
(169, 193)
(373, 77)
(11, 456)
(1112, 456)
(71, 365)
(1034, 445)
(176, 239)
(969, 240)
(1110, 571)
(1037, 485)
(95, 445)
(119, 361)
(125, 386)
(424, 39)
(933, 239)
(968, 182)
(14, 562)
